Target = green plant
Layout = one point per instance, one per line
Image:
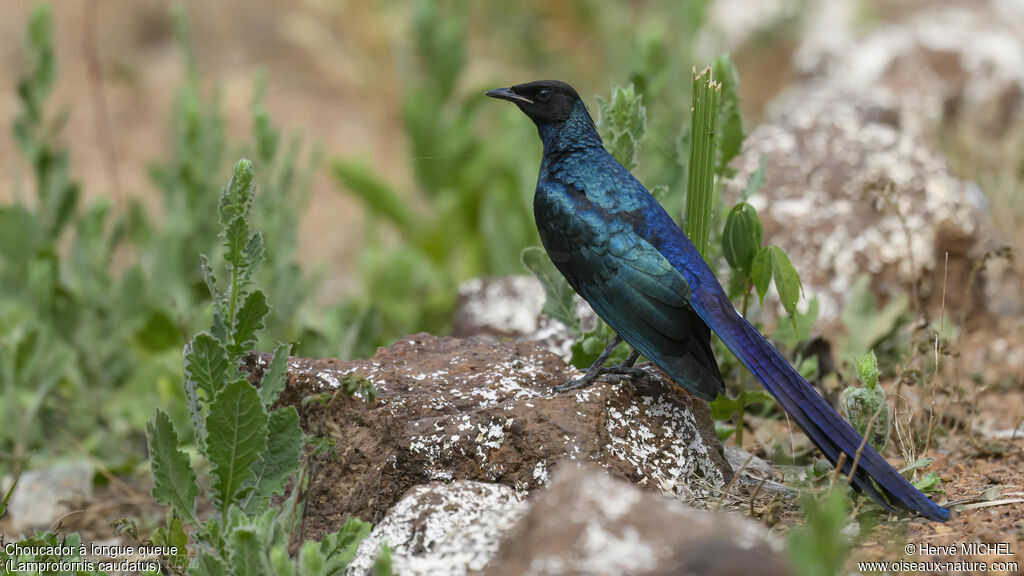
(865, 408)
(253, 448)
(820, 547)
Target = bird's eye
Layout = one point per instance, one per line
(543, 95)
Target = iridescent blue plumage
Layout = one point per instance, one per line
(624, 255)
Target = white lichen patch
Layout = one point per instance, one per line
(671, 455)
(442, 529)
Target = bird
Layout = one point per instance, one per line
(624, 255)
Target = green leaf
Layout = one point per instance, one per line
(761, 272)
(278, 462)
(174, 481)
(623, 123)
(311, 560)
(559, 302)
(236, 235)
(865, 407)
(340, 547)
(730, 124)
(248, 322)
(819, 547)
(929, 483)
(741, 239)
(771, 262)
(382, 562)
(173, 535)
(252, 254)
(236, 197)
(206, 564)
(237, 436)
(918, 464)
(275, 376)
(244, 549)
(867, 370)
(787, 281)
(206, 364)
(208, 278)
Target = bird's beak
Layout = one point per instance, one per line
(507, 94)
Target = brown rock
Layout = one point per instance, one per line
(589, 523)
(451, 409)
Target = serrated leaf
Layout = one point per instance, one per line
(340, 547)
(248, 321)
(206, 363)
(252, 255)
(206, 564)
(236, 235)
(278, 462)
(867, 370)
(244, 549)
(559, 302)
(236, 197)
(863, 408)
(311, 560)
(174, 481)
(741, 239)
(237, 428)
(275, 376)
(623, 124)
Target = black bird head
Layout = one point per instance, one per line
(544, 101)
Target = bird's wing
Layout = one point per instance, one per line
(643, 298)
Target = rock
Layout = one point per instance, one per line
(502, 307)
(848, 194)
(43, 496)
(510, 307)
(442, 529)
(938, 68)
(589, 523)
(451, 409)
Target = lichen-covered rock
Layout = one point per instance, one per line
(510, 307)
(451, 409)
(847, 194)
(588, 523)
(503, 307)
(440, 529)
(940, 67)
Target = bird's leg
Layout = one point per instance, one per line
(597, 369)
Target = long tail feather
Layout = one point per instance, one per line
(827, 430)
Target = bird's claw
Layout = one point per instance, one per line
(614, 374)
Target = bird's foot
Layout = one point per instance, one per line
(598, 373)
